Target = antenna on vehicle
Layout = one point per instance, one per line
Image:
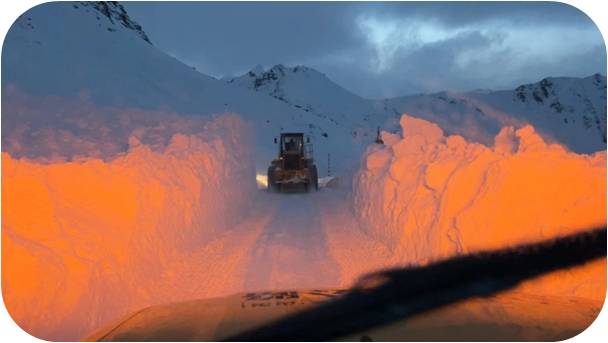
(378, 137)
(328, 164)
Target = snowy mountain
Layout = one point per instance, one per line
(94, 53)
(579, 103)
(115, 12)
(310, 90)
(571, 111)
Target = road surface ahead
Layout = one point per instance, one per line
(292, 250)
(288, 241)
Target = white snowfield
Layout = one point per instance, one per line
(129, 179)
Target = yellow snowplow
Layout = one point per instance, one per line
(294, 166)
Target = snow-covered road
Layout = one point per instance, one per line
(292, 250)
(289, 241)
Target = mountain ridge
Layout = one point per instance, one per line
(66, 50)
(555, 105)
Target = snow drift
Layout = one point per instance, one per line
(86, 241)
(429, 196)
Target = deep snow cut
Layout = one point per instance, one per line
(430, 196)
(87, 241)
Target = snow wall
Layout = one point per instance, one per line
(429, 197)
(85, 239)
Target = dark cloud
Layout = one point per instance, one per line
(383, 49)
(229, 37)
(458, 14)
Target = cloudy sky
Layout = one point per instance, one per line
(382, 49)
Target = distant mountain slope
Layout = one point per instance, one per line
(572, 107)
(96, 53)
(571, 111)
(68, 48)
(308, 89)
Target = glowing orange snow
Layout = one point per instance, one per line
(84, 242)
(429, 196)
(88, 241)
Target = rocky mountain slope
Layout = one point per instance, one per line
(566, 110)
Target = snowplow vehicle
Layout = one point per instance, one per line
(294, 166)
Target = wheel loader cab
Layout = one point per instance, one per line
(292, 143)
(291, 151)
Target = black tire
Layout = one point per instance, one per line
(272, 186)
(306, 184)
(314, 178)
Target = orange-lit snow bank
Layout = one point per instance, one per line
(86, 241)
(429, 196)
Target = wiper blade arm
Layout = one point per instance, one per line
(403, 292)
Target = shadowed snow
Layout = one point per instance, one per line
(292, 251)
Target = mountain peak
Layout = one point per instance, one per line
(551, 87)
(279, 75)
(116, 14)
(278, 67)
(257, 70)
(598, 79)
(276, 72)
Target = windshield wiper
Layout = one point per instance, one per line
(399, 293)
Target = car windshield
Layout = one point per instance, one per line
(393, 174)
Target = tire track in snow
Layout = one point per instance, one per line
(292, 251)
(219, 267)
(354, 250)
